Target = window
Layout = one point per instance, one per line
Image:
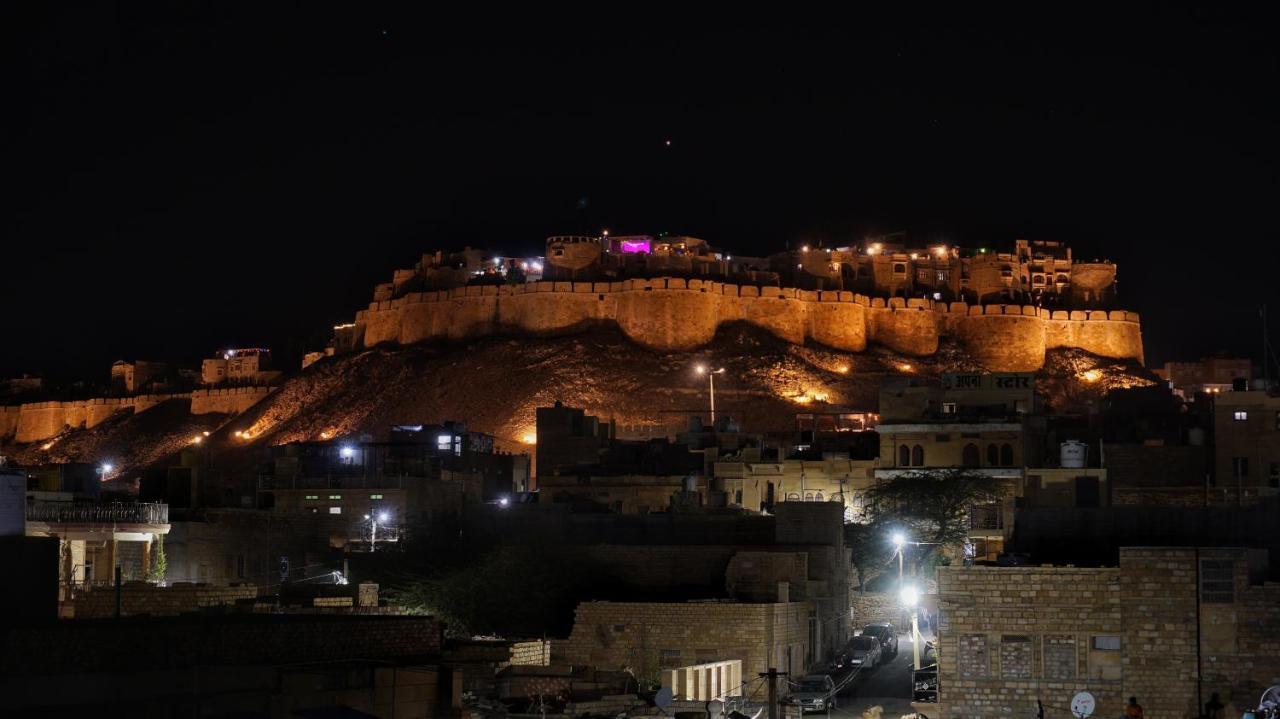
(942, 438)
(1217, 581)
(917, 456)
(1240, 415)
(993, 455)
(1006, 455)
(312, 496)
(899, 268)
(972, 656)
(335, 510)
(375, 496)
(1059, 657)
(1037, 279)
(1239, 467)
(1062, 279)
(1104, 657)
(904, 456)
(1015, 657)
(1275, 474)
(943, 275)
(239, 566)
(948, 407)
(335, 496)
(970, 455)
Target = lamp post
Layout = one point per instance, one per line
(373, 528)
(911, 599)
(711, 378)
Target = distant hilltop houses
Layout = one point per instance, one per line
(1037, 272)
(671, 292)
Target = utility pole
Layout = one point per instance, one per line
(772, 676)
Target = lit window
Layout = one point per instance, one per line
(948, 407)
(1240, 415)
(335, 510)
(444, 441)
(335, 496)
(375, 496)
(312, 496)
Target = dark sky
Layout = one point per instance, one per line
(195, 177)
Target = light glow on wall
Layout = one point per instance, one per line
(636, 246)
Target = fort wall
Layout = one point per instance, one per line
(671, 314)
(232, 400)
(37, 421)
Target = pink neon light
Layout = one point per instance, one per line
(635, 246)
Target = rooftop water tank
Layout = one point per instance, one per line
(1074, 454)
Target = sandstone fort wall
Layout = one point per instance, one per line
(37, 421)
(669, 314)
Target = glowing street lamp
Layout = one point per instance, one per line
(373, 528)
(711, 377)
(104, 471)
(899, 541)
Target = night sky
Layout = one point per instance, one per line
(200, 177)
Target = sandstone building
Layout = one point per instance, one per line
(1168, 625)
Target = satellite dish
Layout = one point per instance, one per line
(1082, 705)
(1270, 700)
(663, 698)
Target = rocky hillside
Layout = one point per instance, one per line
(495, 384)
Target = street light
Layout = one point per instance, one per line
(711, 377)
(899, 541)
(911, 599)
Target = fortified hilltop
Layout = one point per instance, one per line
(671, 293)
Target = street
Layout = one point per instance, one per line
(887, 686)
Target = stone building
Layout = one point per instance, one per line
(131, 377)
(1209, 375)
(651, 637)
(1168, 625)
(760, 484)
(981, 424)
(1246, 435)
(250, 366)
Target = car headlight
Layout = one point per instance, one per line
(817, 703)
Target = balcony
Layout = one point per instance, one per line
(110, 513)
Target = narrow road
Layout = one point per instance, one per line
(887, 686)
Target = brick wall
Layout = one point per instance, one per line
(648, 637)
(1011, 635)
(142, 598)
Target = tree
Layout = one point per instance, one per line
(159, 563)
(871, 548)
(934, 504)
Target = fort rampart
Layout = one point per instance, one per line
(669, 314)
(36, 421)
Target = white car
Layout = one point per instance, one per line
(863, 652)
(814, 693)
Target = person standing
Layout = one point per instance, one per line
(1133, 710)
(1214, 708)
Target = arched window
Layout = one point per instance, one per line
(970, 455)
(904, 456)
(993, 456)
(917, 456)
(818, 497)
(1006, 455)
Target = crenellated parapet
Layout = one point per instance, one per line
(669, 314)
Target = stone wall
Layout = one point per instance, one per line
(1011, 635)
(36, 421)
(678, 314)
(648, 637)
(139, 598)
(232, 400)
(9, 421)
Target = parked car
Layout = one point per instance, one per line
(814, 693)
(886, 635)
(864, 652)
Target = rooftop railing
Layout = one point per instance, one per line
(114, 512)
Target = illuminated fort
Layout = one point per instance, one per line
(672, 293)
